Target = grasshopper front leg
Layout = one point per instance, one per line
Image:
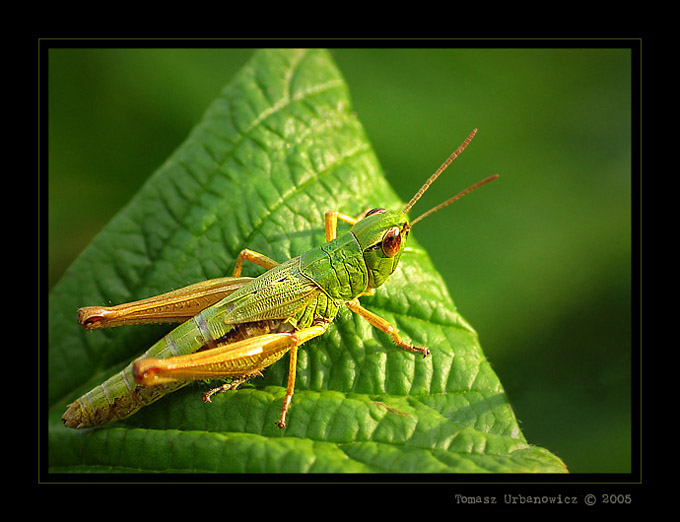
(385, 326)
(331, 221)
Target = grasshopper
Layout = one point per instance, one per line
(234, 327)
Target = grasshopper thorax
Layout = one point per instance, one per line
(382, 235)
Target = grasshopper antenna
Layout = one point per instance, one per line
(439, 171)
(454, 198)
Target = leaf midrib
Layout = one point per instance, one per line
(156, 254)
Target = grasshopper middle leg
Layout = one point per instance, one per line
(253, 257)
(231, 385)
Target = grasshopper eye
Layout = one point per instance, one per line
(391, 242)
(374, 211)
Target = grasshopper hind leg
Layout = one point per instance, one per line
(290, 342)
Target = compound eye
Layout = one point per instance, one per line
(374, 211)
(391, 242)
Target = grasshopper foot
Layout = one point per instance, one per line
(420, 349)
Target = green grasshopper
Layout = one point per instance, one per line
(234, 327)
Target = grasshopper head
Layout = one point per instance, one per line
(382, 235)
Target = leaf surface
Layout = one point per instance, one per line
(278, 148)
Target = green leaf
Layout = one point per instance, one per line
(278, 148)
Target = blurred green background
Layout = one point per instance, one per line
(539, 262)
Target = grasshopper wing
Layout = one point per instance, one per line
(277, 294)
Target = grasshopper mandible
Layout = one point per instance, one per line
(234, 327)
